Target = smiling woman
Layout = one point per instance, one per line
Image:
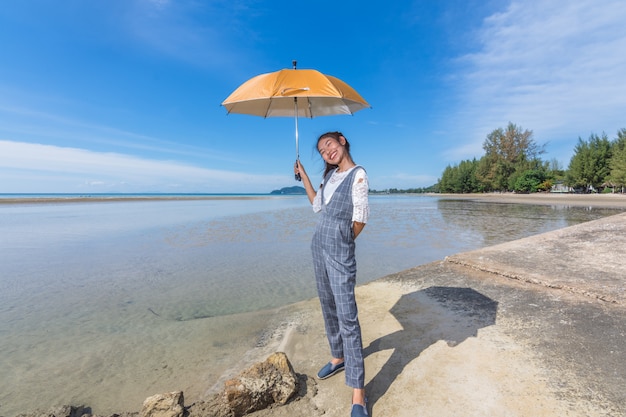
(343, 207)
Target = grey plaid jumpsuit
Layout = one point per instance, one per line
(334, 263)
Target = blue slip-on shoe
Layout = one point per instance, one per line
(358, 410)
(329, 370)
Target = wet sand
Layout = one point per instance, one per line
(565, 199)
(560, 199)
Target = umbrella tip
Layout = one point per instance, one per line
(294, 63)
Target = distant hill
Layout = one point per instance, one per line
(295, 190)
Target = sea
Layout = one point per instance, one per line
(111, 299)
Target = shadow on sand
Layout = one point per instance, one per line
(427, 316)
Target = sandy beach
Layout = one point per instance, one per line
(561, 199)
(579, 200)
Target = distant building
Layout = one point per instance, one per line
(559, 187)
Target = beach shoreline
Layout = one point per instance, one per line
(133, 198)
(561, 199)
(615, 200)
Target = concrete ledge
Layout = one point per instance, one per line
(588, 259)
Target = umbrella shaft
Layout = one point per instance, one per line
(295, 101)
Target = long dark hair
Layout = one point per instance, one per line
(337, 136)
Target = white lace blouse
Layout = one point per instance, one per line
(360, 189)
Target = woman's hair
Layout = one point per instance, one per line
(336, 136)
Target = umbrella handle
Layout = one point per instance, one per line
(295, 103)
(298, 177)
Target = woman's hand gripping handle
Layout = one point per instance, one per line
(299, 171)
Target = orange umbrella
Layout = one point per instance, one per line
(293, 92)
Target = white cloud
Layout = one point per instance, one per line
(556, 68)
(27, 167)
(25, 124)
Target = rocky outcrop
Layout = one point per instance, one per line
(170, 404)
(272, 382)
(264, 384)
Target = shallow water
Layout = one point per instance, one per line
(107, 303)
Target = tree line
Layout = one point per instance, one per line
(512, 162)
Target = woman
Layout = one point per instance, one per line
(342, 201)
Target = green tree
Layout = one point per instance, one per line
(493, 173)
(620, 140)
(527, 169)
(506, 151)
(512, 145)
(459, 178)
(466, 177)
(589, 166)
(446, 182)
(530, 181)
(617, 164)
(555, 171)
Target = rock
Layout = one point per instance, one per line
(170, 404)
(264, 384)
(261, 386)
(215, 406)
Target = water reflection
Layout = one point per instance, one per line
(500, 222)
(406, 231)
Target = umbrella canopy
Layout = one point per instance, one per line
(272, 94)
(295, 93)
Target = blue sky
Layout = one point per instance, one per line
(124, 95)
